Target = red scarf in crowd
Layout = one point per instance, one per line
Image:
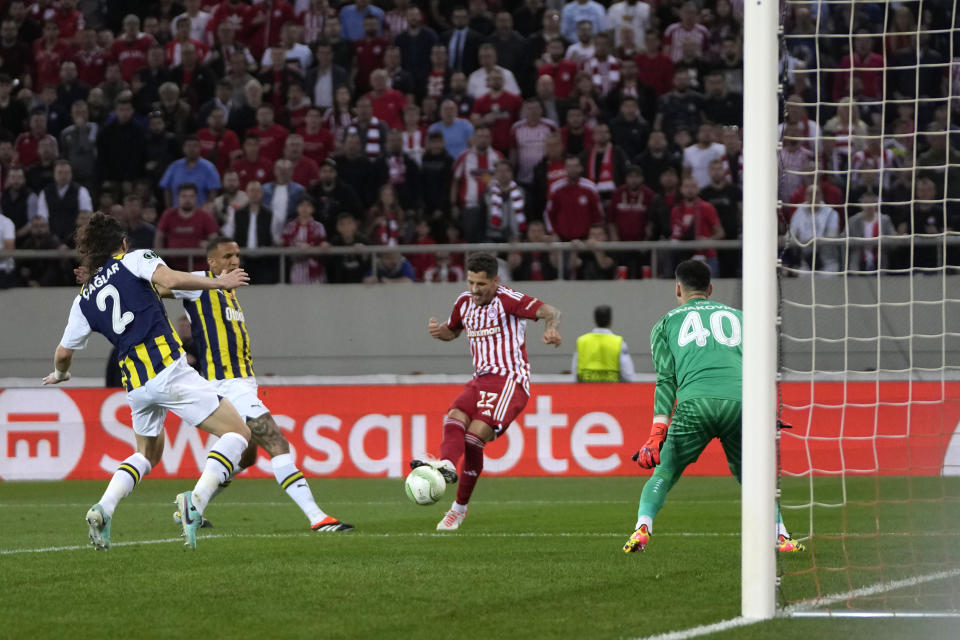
(603, 180)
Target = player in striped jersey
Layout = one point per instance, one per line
(495, 320)
(220, 333)
(119, 300)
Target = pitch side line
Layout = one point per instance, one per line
(409, 534)
(372, 503)
(696, 632)
(862, 592)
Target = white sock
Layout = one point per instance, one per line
(125, 479)
(782, 530)
(645, 520)
(459, 508)
(223, 485)
(292, 481)
(221, 462)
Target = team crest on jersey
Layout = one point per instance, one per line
(150, 255)
(583, 200)
(492, 313)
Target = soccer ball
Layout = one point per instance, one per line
(425, 485)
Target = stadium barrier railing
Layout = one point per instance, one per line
(658, 254)
(658, 251)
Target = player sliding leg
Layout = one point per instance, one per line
(494, 318)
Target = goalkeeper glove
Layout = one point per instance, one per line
(649, 455)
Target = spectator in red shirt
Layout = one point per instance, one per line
(237, 12)
(653, 66)
(130, 49)
(695, 219)
(296, 107)
(627, 214)
(181, 37)
(318, 142)
(218, 144)
(573, 205)
(422, 262)
(251, 165)
(271, 135)
(867, 65)
(49, 52)
(368, 53)
(305, 170)
(267, 18)
(91, 59)
(388, 104)
(305, 231)
(498, 109)
(26, 144)
(69, 20)
(562, 71)
(185, 226)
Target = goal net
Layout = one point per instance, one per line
(869, 189)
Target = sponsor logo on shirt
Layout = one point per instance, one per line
(483, 333)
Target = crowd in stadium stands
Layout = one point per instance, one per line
(316, 122)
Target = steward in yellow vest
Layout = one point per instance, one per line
(602, 355)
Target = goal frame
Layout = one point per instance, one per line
(760, 245)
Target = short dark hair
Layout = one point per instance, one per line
(603, 316)
(693, 275)
(483, 263)
(191, 137)
(187, 186)
(216, 241)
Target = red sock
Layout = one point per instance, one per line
(452, 447)
(472, 468)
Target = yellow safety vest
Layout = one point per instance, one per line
(598, 357)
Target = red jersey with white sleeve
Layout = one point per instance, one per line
(497, 332)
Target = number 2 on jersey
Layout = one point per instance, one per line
(692, 329)
(120, 322)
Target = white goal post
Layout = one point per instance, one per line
(760, 245)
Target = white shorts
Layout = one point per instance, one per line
(242, 394)
(178, 388)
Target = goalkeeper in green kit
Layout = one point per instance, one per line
(697, 353)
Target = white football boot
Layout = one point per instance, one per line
(451, 520)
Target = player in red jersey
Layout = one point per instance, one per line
(495, 321)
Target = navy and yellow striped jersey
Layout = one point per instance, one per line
(219, 332)
(121, 303)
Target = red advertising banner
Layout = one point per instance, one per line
(566, 430)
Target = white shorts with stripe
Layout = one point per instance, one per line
(177, 388)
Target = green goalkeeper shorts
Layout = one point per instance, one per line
(695, 423)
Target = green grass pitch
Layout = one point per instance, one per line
(536, 558)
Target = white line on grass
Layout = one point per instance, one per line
(826, 601)
(376, 503)
(405, 534)
(864, 592)
(696, 632)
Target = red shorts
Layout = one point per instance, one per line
(492, 399)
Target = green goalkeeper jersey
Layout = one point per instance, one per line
(697, 353)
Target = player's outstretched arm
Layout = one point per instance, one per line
(168, 278)
(62, 358)
(551, 333)
(440, 331)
